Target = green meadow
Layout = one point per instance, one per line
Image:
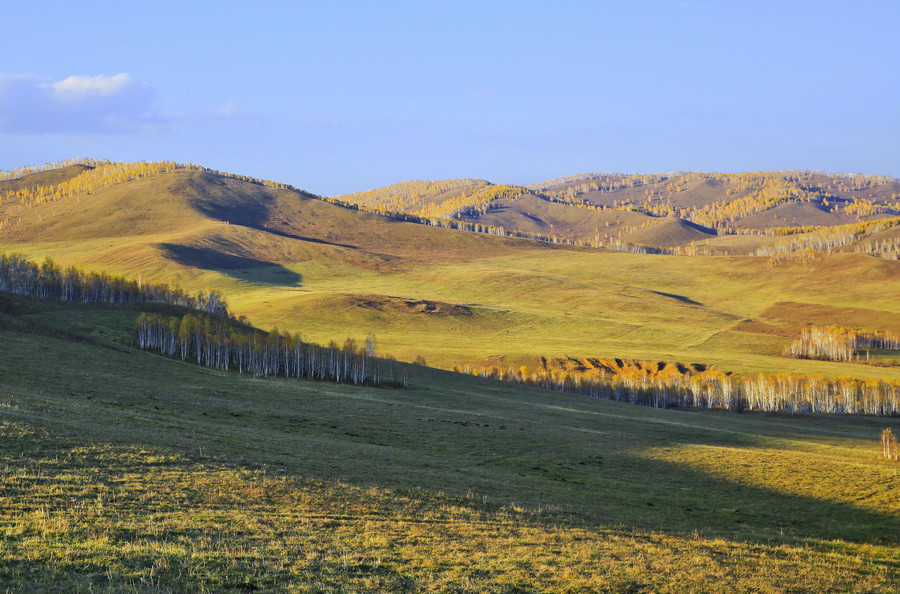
(731, 312)
(456, 298)
(124, 471)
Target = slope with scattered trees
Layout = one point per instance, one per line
(665, 385)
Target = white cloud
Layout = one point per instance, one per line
(77, 104)
(98, 86)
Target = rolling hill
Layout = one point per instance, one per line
(289, 259)
(691, 190)
(50, 177)
(670, 232)
(796, 214)
(128, 471)
(590, 206)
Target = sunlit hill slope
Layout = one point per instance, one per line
(287, 258)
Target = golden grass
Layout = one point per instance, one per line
(102, 518)
(122, 471)
(528, 299)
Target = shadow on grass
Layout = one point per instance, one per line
(287, 235)
(44, 462)
(255, 214)
(680, 298)
(238, 267)
(455, 434)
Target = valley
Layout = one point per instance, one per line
(288, 259)
(176, 468)
(127, 471)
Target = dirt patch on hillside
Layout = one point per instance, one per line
(389, 303)
(595, 366)
(758, 327)
(619, 366)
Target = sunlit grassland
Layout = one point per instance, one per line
(103, 518)
(741, 243)
(125, 471)
(532, 302)
(286, 259)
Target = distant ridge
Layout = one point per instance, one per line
(617, 210)
(552, 183)
(572, 208)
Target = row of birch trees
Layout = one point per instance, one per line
(221, 344)
(889, 249)
(835, 343)
(211, 337)
(787, 393)
(48, 280)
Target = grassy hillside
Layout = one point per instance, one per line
(795, 214)
(591, 207)
(419, 197)
(670, 232)
(533, 214)
(691, 190)
(128, 472)
(286, 258)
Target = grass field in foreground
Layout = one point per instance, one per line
(127, 472)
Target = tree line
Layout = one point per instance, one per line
(48, 280)
(786, 393)
(411, 196)
(222, 344)
(212, 337)
(835, 343)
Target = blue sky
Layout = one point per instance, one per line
(343, 96)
